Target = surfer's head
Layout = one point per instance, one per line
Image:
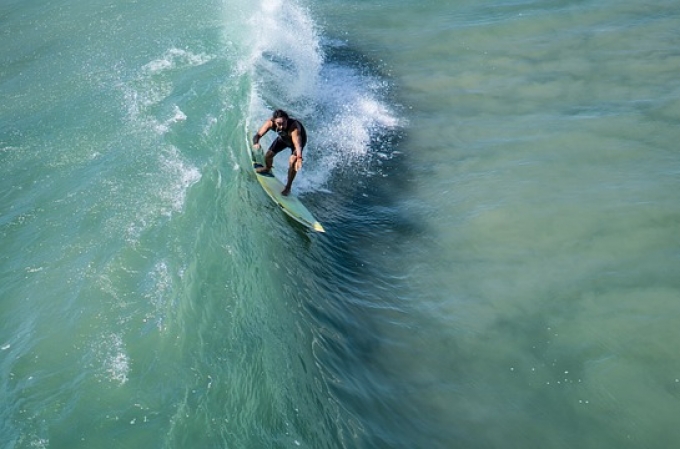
(280, 119)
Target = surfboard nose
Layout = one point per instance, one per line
(317, 227)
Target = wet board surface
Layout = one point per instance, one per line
(289, 204)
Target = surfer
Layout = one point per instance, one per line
(291, 134)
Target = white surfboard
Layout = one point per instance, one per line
(289, 204)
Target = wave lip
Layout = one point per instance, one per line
(341, 100)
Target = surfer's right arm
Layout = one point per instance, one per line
(263, 130)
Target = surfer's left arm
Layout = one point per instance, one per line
(262, 131)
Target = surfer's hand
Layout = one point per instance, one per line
(298, 164)
(256, 146)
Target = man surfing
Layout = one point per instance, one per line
(291, 134)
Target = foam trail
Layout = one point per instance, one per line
(175, 57)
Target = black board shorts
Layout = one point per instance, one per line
(280, 144)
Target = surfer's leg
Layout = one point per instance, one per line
(291, 175)
(268, 163)
(277, 145)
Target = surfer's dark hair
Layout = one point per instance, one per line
(280, 113)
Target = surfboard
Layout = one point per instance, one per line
(290, 204)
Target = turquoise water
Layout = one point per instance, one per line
(500, 183)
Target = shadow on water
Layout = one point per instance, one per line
(352, 283)
(366, 295)
(362, 263)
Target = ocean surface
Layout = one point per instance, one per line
(499, 182)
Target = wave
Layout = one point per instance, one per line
(342, 101)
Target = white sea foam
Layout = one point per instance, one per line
(153, 86)
(159, 294)
(39, 443)
(164, 192)
(165, 126)
(341, 106)
(181, 176)
(286, 47)
(211, 121)
(176, 57)
(140, 101)
(111, 355)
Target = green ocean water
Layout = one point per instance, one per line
(499, 181)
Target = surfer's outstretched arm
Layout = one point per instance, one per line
(261, 132)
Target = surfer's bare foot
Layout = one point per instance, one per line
(263, 170)
(286, 191)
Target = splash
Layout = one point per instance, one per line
(286, 52)
(341, 102)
